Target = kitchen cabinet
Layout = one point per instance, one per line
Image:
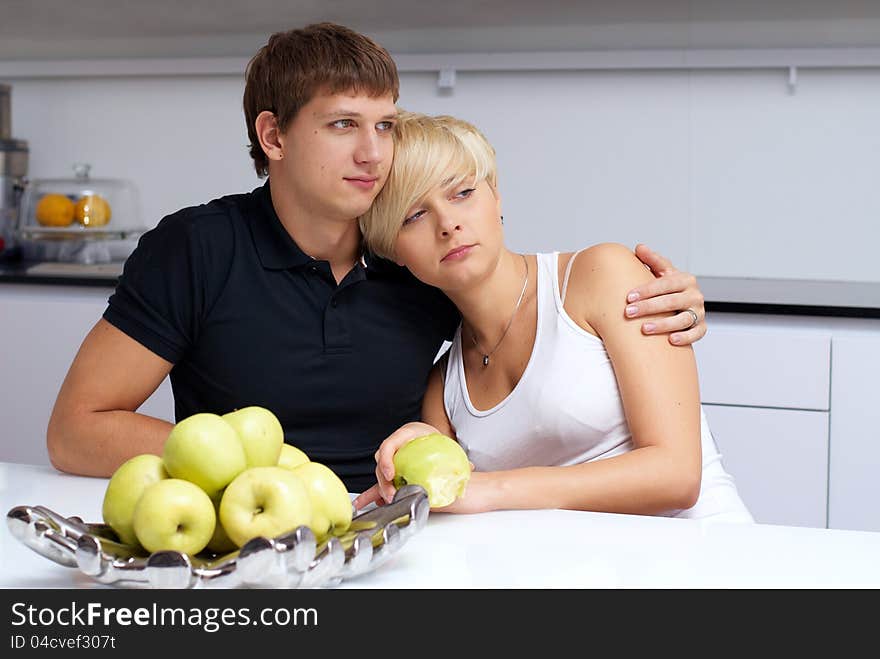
(779, 459)
(854, 498)
(759, 366)
(41, 330)
(791, 402)
(766, 392)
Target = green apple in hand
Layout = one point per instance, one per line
(291, 457)
(264, 501)
(126, 486)
(260, 433)
(206, 450)
(331, 504)
(436, 462)
(174, 514)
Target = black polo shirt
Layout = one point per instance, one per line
(223, 292)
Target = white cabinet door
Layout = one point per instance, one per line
(41, 330)
(854, 485)
(765, 367)
(779, 459)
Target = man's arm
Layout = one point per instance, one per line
(94, 428)
(671, 290)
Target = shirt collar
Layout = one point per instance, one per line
(276, 249)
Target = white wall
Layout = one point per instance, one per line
(726, 171)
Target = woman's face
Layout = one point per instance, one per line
(452, 237)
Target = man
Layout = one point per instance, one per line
(266, 298)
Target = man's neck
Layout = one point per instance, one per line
(336, 240)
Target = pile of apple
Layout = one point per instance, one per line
(221, 481)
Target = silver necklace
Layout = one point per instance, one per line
(486, 355)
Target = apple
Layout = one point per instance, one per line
(206, 450)
(291, 457)
(174, 514)
(264, 501)
(126, 486)
(260, 433)
(437, 463)
(220, 542)
(331, 503)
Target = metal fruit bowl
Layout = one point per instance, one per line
(291, 560)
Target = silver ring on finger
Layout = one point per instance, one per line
(693, 315)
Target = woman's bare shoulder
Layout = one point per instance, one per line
(604, 262)
(602, 275)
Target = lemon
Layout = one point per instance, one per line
(54, 210)
(92, 211)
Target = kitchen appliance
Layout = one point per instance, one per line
(81, 219)
(13, 173)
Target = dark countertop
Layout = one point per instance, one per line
(732, 294)
(65, 274)
(802, 297)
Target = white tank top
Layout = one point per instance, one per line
(566, 408)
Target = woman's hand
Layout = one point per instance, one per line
(476, 498)
(671, 290)
(383, 491)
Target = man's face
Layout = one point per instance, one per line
(337, 154)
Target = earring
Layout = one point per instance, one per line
(502, 219)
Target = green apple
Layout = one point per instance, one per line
(174, 514)
(264, 501)
(220, 542)
(331, 504)
(126, 485)
(260, 433)
(291, 457)
(206, 450)
(437, 463)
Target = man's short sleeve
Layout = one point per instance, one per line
(160, 298)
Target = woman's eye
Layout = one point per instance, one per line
(464, 194)
(343, 123)
(413, 217)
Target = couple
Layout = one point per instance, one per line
(270, 298)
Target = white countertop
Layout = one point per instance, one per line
(520, 549)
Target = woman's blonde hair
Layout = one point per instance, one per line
(428, 151)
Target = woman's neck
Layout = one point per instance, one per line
(488, 306)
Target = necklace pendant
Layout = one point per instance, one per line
(485, 360)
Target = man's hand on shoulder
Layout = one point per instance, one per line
(670, 291)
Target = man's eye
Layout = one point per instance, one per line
(413, 217)
(385, 126)
(343, 123)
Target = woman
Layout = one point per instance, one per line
(559, 400)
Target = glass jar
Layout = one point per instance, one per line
(82, 219)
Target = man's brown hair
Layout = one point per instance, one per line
(293, 66)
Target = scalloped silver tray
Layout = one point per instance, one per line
(291, 560)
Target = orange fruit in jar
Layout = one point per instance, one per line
(92, 211)
(54, 210)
